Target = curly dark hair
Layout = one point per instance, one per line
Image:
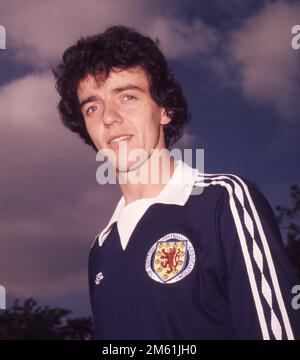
(118, 47)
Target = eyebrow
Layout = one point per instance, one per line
(128, 87)
(88, 100)
(114, 91)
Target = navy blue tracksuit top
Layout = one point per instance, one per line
(211, 268)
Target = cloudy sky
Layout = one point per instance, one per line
(240, 74)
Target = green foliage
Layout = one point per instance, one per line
(32, 322)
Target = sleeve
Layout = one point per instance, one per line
(259, 275)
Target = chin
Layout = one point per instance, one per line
(129, 166)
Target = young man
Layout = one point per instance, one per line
(169, 264)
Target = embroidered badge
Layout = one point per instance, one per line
(170, 259)
(99, 277)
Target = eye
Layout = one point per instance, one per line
(92, 109)
(129, 97)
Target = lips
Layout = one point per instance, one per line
(118, 137)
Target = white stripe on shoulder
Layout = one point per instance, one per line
(246, 255)
(270, 262)
(239, 189)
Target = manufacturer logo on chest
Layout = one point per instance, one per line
(99, 277)
(170, 259)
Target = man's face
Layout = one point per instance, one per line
(120, 111)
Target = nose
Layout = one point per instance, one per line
(111, 115)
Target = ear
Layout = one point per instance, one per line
(165, 117)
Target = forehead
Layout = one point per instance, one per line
(117, 77)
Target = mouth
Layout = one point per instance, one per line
(117, 139)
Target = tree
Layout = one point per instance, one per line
(293, 230)
(32, 322)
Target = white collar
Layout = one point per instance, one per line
(176, 192)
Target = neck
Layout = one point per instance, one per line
(148, 179)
